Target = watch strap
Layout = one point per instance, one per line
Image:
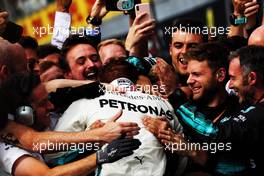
(236, 21)
(94, 21)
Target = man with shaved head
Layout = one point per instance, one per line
(257, 37)
(12, 60)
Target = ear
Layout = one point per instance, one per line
(252, 78)
(221, 74)
(4, 70)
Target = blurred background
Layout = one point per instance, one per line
(33, 14)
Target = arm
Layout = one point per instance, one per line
(62, 23)
(165, 77)
(137, 37)
(114, 151)
(94, 20)
(30, 139)
(23, 167)
(154, 125)
(170, 139)
(53, 85)
(247, 9)
(161, 129)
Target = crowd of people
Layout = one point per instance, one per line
(85, 106)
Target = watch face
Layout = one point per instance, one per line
(237, 20)
(119, 5)
(125, 5)
(242, 20)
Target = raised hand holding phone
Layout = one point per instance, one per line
(143, 8)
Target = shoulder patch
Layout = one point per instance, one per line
(248, 109)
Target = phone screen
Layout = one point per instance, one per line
(143, 8)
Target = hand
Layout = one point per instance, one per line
(139, 32)
(239, 7)
(154, 125)
(166, 77)
(63, 5)
(113, 130)
(169, 138)
(116, 150)
(3, 21)
(97, 124)
(251, 8)
(99, 9)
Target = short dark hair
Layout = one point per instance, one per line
(72, 41)
(75, 40)
(118, 68)
(251, 59)
(28, 42)
(47, 49)
(188, 23)
(44, 66)
(214, 53)
(18, 89)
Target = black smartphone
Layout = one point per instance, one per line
(12, 32)
(119, 5)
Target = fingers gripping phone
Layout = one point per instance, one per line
(143, 8)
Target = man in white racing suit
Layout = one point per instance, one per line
(150, 158)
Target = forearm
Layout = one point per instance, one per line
(30, 139)
(53, 85)
(139, 50)
(236, 31)
(44, 141)
(77, 168)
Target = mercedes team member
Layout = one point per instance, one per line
(19, 162)
(135, 105)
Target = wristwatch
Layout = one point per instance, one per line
(94, 21)
(236, 21)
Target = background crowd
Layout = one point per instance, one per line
(118, 108)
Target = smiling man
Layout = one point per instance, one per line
(81, 58)
(245, 128)
(186, 37)
(207, 69)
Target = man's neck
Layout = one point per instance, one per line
(259, 95)
(218, 99)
